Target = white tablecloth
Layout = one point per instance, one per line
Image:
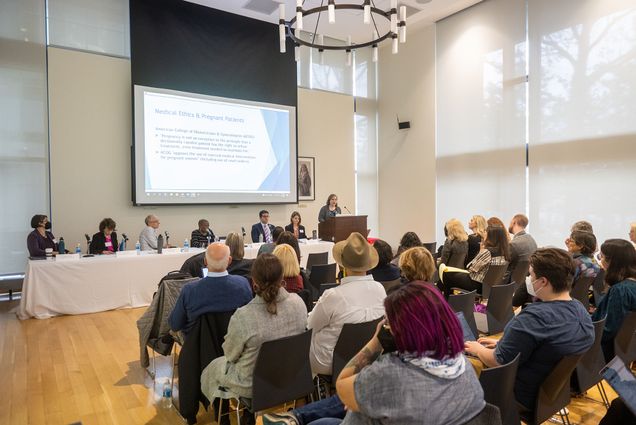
(101, 283)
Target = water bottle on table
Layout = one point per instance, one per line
(78, 250)
(138, 247)
(61, 248)
(186, 245)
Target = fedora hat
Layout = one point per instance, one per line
(355, 253)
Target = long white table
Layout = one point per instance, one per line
(107, 282)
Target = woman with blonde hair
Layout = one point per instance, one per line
(456, 245)
(291, 269)
(477, 225)
(238, 266)
(417, 264)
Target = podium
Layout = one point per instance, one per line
(338, 228)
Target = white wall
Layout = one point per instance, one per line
(406, 158)
(91, 128)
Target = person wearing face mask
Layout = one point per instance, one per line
(41, 238)
(544, 332)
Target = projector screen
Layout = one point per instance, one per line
(198, 149)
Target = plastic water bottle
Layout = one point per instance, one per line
(78, 250)
(138, 248)
(186, 245)
(166, 395)
(61, 248)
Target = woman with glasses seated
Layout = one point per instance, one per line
(582, 245)
(104, 241)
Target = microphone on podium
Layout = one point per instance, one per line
(347, 209)
(243, 230)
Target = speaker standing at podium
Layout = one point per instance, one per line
(330, 209)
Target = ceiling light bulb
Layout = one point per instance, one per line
(331, 9)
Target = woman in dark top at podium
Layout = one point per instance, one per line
(104, 241)
(330, 209)
(295, 227)
(41, 237)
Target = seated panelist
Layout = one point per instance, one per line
(263, 228)
(295, 227)
(41, 238)
(104, 241)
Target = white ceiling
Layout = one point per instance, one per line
(419, 12)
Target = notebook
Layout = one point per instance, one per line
(468, 333)
(622, 380)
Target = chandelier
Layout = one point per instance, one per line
(291, 28)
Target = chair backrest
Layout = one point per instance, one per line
(599, 286)
(431, 247)
(315, 258)
(390, 284)
(625, 341)
(589, 367)
(321, 273)
(352, 338)
(581, 289)
(275, 383)
(456, 259)
(520, 271)
(554, 392)
(494, 276)
(498, 384)
(326, 286)
(465, 303)
(499, 310)
(490, 415)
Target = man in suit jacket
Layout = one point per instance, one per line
(522, 246)
(263, 228)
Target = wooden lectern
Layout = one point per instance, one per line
(338, 228)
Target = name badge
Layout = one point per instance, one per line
(109, 244)
(301, 230)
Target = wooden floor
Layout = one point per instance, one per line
(86, 368)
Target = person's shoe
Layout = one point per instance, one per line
(285, 418)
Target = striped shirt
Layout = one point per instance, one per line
(479, 266)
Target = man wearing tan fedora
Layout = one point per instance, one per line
(357, 299)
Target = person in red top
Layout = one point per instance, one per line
(291, 269)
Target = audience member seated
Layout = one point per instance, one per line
(582, 245)
(41, 238)
(618, 259)
(330, 209)
(583, 226)
(218, 292)
(417, 264)
(522, 246)
(384, 271)
(357, 299)
(238, 266)
(262, 231)
(455, 246)
(632, 234)
(289, 239)
(203, 236)
(291, 268)
(148, 236)
(477, 225)
(413, 368)
(409, 240)
(104, 241)
(543, 332)
(267, 248)
(194, 265)
(496, 222)
(272, 314)
(295, 227)
(495, 251)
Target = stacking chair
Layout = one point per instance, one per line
(588, 370)
(11, 282)
(520, 272)
(625, 340)
(431, 247)
(581, 290)
(488, 416)
(326, 286)
(465, 302)
(321, 273)
(274, 384)
(554, 394)
(598, 287)
(498, 311)
(390, 284)
(498, 384)
(494, 276)
(315, 258)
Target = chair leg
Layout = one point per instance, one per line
(601, 390)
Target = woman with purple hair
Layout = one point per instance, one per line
(412, 371)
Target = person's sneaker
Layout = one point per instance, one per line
(285, 418)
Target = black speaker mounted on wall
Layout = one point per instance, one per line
(403, 125)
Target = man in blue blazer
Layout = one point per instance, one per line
(263, 228)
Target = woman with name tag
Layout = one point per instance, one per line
(41, 238)
(104, 241)
(295, 227)
(330, 209)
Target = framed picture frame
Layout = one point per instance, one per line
(306, 178)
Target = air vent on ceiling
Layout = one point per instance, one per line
(261, 6)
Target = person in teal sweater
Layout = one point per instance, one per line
(618, 259)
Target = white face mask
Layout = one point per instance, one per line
(530, 287)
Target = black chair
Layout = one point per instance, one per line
(390, 284)
(326, 286)
(465, 302)
(554, 393)
(321, 273)
(498, 311)
(456, 260)
(490, 415)
(520, 272)
(588, 370)
(598, 286)
(273, 385)
(315, 258)
(494, 276)
(498, 384)
(581, 290)
(431, 247)
(625, 340)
